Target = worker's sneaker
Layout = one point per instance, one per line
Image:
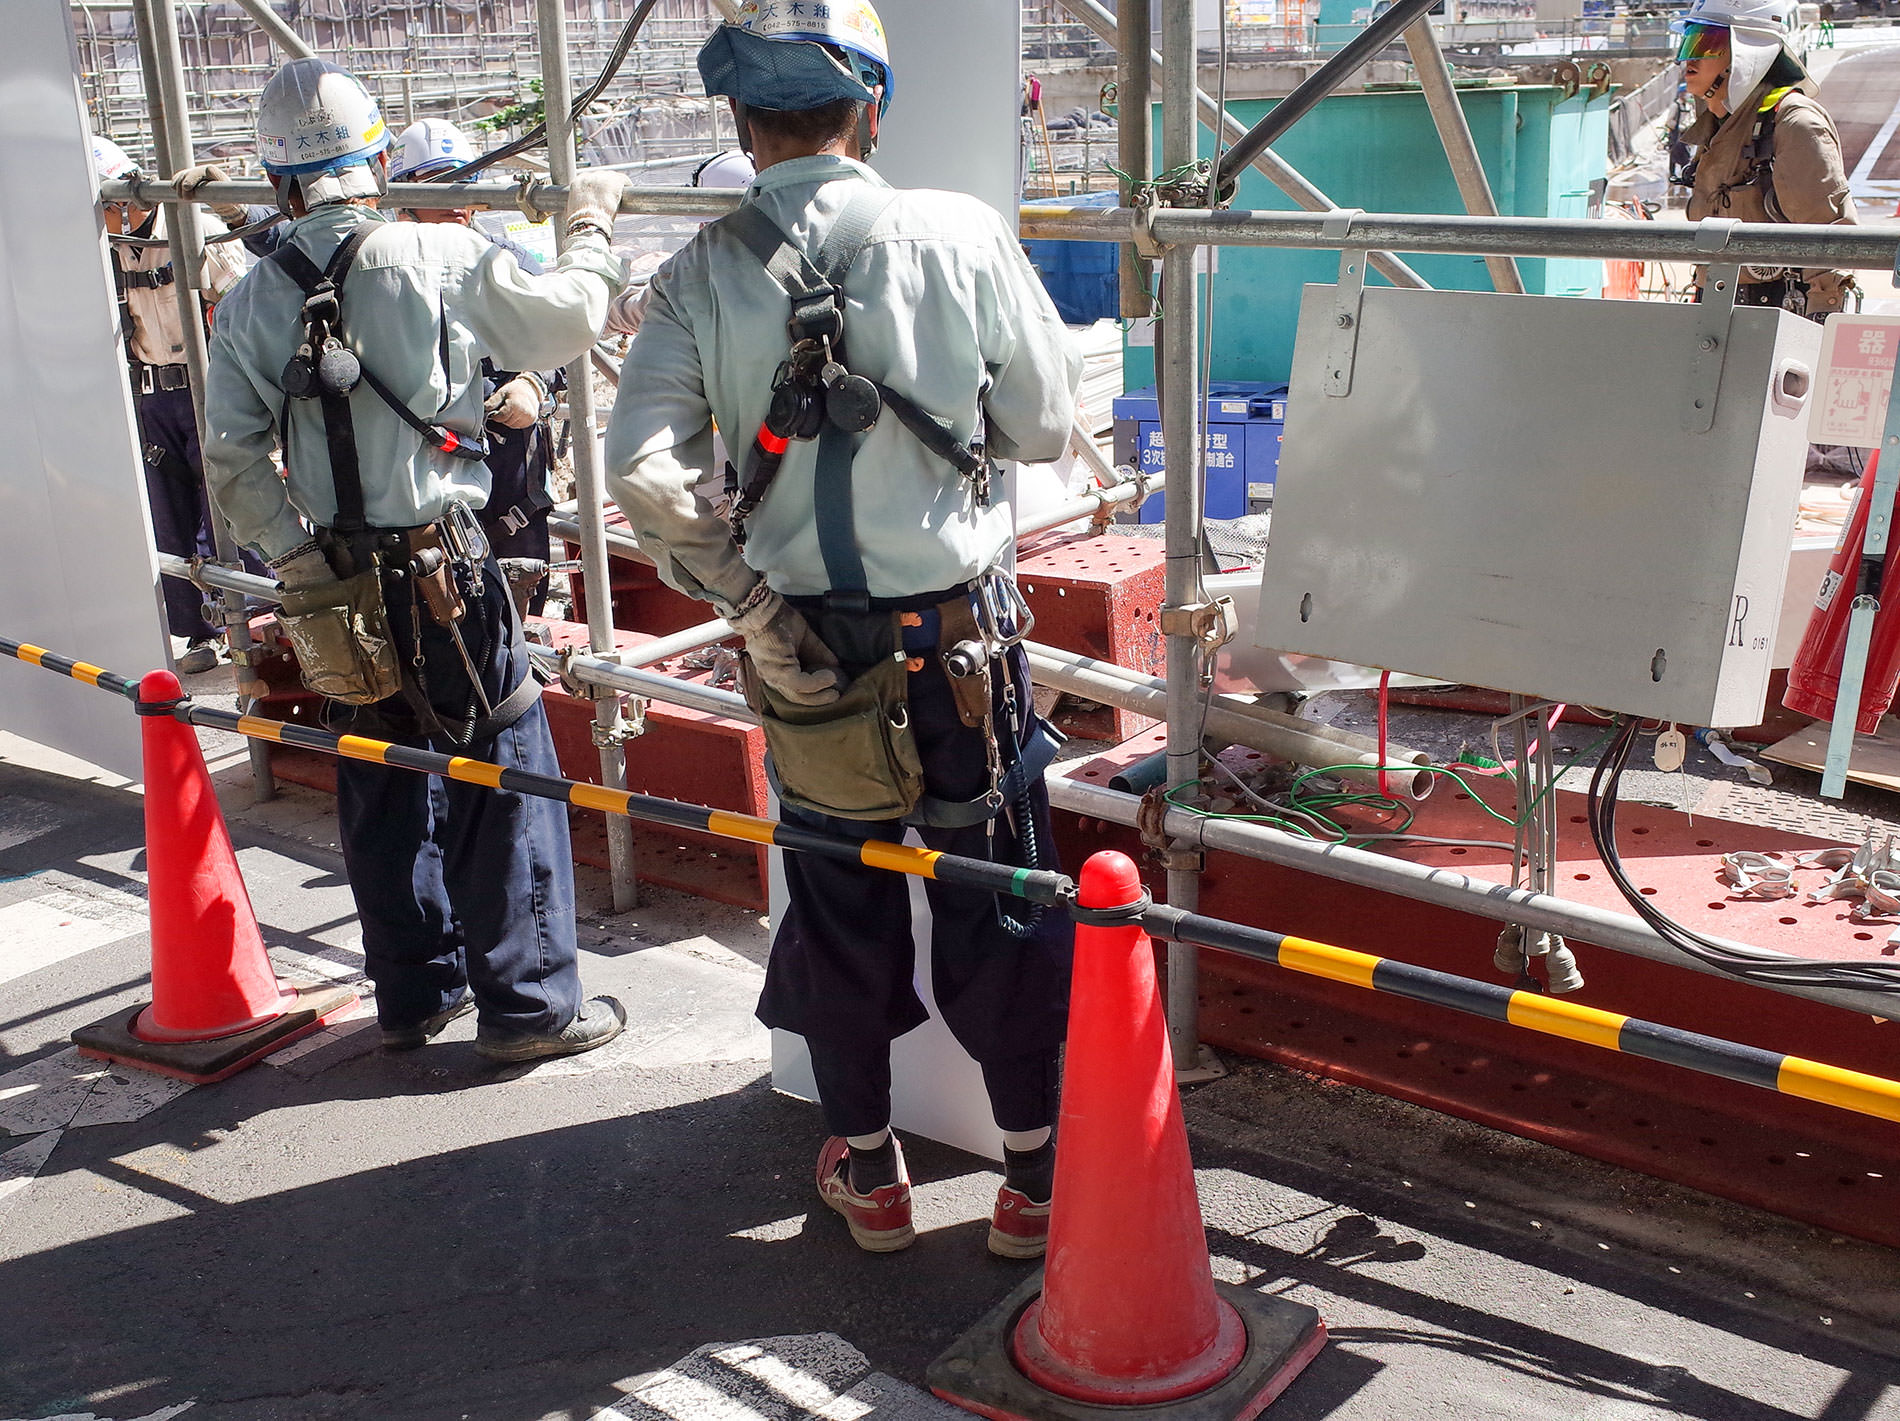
(412, 1038)
(597, 1022)
(1019, 1227)
(197, 658)
(880, 1220)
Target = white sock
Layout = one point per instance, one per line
(871, 1142)
(1023, 1141)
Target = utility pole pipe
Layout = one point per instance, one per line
(557, 89)
(1134, 124)
(1178, 367)
(171, 135)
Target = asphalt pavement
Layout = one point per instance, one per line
(340, 1233)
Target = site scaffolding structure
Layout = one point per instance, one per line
(1187, 217)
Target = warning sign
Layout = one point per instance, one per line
(1857, 359)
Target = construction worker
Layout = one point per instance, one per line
(519, 403)
(161, 392)
(357, 345)
(864, 572)
(1765, 149)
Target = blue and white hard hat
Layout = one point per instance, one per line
(793, 55)
(427, 147)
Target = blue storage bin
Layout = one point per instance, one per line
(1082, 278)
(1244, 421)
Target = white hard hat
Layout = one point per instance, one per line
(316, 123)
(429, 146)
(774, 55)
(111, 161)
(1759, 31)
(729, 169)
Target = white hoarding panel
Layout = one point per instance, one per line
(77, 573)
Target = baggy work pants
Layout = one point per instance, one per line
(456, 884)
(181, 519)
(842, 962)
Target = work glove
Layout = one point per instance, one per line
(786, 652)
(515, 405)
(191, 179)
(301, 571)
(594, 196)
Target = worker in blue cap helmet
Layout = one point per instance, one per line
(871, 352)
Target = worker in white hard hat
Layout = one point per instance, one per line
(519, 403)
(161, 389)
(1765, 148)
(357, 346)
(864, 564)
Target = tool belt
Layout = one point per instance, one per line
(151, 379)
(857, 757)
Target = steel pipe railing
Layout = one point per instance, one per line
(1446, 888)
(1713, 239)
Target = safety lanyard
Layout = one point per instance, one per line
(816, 291)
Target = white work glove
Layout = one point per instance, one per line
(191, 179)
(627, 310)
(594, 196)
(783, 646)
(515, 405)
(301, 571)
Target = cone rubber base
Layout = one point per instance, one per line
(976, 1372)
(202, 1062)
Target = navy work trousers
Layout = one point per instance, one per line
(174, 487)
(456, 884)
(181, 514)
(843, 959)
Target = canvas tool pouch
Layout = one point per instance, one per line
(853, 759)
(340, 632)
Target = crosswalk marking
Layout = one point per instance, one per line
(36, 934)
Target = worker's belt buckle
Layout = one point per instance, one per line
(154, 378)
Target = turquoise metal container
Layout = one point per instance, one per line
(1543, 153)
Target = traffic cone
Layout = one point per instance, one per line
(217, 1005)
(1126, 1313)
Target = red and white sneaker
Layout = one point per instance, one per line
(880, 1220)
(1019, 1228)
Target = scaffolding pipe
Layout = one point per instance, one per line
(1177, 370)
(1863, 248)
(1230, 723)
(281, 34)
(1443, 887)
(1714, 239)
(563, 524)
(653, 685)
(1134, 131)
(1309, 91)
(1092, 504)
(157, 27)
(589, 477)
(1454, 133)
(1271, 165)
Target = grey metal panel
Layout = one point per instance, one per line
(1511, 496)
(77, 571)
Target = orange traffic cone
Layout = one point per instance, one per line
(216, 1005)
(1126, 1313)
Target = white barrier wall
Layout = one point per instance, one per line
(953, 123)
(77, 573)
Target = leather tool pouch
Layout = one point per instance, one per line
(853, 759)
(340, 633)
(957, 627)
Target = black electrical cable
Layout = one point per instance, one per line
(1785, 972)
(622, 45)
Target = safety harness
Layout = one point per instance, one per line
(815, 394)
(326, 370)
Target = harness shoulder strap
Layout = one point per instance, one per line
(339, 427)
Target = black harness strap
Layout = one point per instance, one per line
(816, 290)
(339, 427)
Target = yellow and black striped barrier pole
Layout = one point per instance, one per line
(1531, 1011)
(1536, 1011)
